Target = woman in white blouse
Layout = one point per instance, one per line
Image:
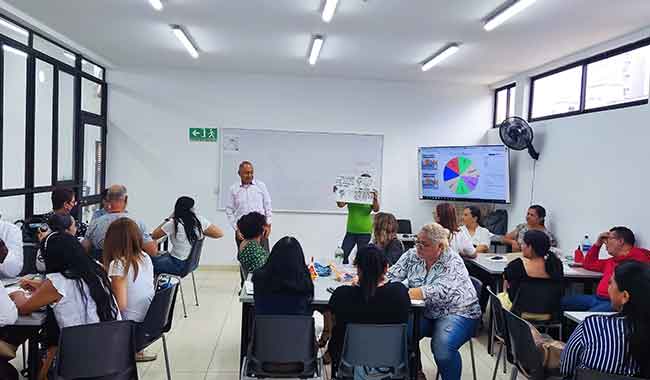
(480, 236)
(458, 241)
(183, 229)
(8, 316)
(130, 271)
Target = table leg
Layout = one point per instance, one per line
(33, 362)
(414, 364)
(246, 311)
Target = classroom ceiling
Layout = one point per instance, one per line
(372, 39)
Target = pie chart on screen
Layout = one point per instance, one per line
(460, 175)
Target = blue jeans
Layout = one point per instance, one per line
(448, 334)
(166, 263)
(586, 303)
(350, 240)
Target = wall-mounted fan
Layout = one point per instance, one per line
(516, 134)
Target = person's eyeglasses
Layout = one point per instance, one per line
(421, 244)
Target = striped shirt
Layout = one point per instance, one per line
(599, 343)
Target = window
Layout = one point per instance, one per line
(91, 96)
(614, 79)
(92, 69)
(66, 127)
(44, 90)
(558, 93)
(14, 107)
(14, 31)
(54, 51)
(620, 79)
(43, 123)
(504, 103)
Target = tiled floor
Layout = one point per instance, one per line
(205, 346)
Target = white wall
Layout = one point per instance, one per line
(591, 172)
(148, 148)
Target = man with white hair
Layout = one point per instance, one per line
(438, 276)
(116, 198)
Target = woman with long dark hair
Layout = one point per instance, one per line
(538, 264)
(371, 301)
(458, 241)
(283, 285)
(616, 344)
(183, 228)
(76, 288)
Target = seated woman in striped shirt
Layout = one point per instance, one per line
(616, 344)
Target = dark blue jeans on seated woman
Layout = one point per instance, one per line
(448, 334)
(166, 263)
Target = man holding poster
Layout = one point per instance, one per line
(361, 199)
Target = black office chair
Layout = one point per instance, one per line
(98, 351)
(282, 346)
(527, 358)
(478, 286)
(404, 226)
(499, 333)
(375, 346)
(548, 294)
(160, 315)
(191, 263)
(590, 374)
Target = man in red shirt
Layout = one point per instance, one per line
(619, 242)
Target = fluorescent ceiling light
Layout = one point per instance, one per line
(316, 45)
(440, 56)
(9, 49)
(13, 27)
(184, 38)
(508, 12)
(156, 4)
(329, 8)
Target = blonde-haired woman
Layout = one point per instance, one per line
(438, 276)
(385, 237)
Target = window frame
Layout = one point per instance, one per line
(508, 88)
(583, 83)
(76, 71)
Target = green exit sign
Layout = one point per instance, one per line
(203, 134)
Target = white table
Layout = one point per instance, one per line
(490, 264)
(579, 316)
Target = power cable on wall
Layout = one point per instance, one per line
(532, 184)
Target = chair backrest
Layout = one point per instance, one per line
(496, 310)
(590, 374)
(525, 354)
(375, 346)
(537, 295)
(192, 261)
(282, 346)
(404, 226)
(497, 222)
(101, 350)
(160, 314)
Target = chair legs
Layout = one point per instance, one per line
(496, 366)
(180, 285)
(196, 296)
(169, 375)
(515, 372)
(471, 350)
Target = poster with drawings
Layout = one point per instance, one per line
(231, 144)
(354, 189)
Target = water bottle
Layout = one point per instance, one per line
(586, 244)
(338, 256)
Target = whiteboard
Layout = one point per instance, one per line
(298, 168)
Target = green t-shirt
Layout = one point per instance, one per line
(359, 219)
